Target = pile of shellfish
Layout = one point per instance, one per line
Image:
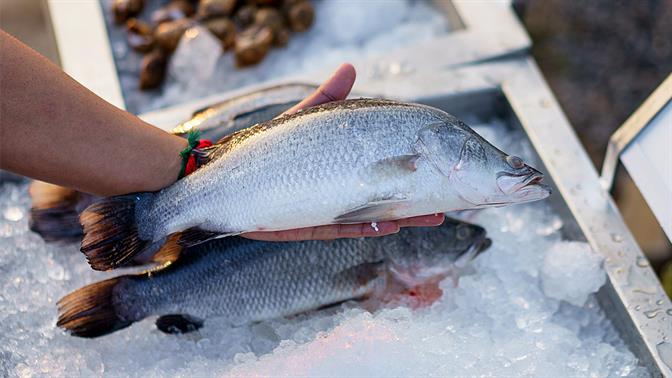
(249, 28)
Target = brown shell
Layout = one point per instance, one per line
(300, 16)
(244, 17)
(174, 10)
(167, 35)
(139, 35)
(153, 69)
(252, 45)
(122, 10)
(224, 29)
(215, 8)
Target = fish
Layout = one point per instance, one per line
(343, 162)
(217, 120)
(55, 212)
(243, 280)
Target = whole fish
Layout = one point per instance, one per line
(349, 161)
(217, 120)
(244, 280)
(55, 211)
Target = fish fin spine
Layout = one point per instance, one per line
(90, 311)
(111, 237)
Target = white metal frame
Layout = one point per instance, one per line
(643, 143)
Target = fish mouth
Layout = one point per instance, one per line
(525, 184)
(474, 251)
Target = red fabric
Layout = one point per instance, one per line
(191, 163)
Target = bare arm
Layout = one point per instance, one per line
(53, 129)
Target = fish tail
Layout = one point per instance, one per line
(111, 238)
(54, 214)
(90, 311)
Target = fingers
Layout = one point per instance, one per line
(423, 221)
(336, 231)
(337, 87)
(329, 232)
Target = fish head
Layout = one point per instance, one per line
(480, 173)
(453, 244)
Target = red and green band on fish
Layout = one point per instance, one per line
(189, 154)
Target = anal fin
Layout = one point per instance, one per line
(178, 323)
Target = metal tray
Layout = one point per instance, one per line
(482, 31)
(515, 90)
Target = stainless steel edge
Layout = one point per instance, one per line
(632, 127)
(638, 290)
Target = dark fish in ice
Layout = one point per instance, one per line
(343, 162)
(221, 119)
(244, 280)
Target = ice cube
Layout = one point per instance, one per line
(195, 58)
(571, 272)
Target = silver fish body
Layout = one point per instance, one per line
(244, 280)
(349, 161)
(327, 165)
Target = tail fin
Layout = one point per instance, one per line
(55, 212)
(90, 311)
(111, 236)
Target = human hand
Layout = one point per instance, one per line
(337, 88)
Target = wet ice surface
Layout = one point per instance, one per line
(343, 31)
(510, 315)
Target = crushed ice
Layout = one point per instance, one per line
(526, 308)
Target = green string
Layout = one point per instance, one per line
(192, 142)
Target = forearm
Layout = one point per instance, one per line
(55, 130)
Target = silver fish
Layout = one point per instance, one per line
(343, 162)
(245, 281)
(55, 211)
(217, 120)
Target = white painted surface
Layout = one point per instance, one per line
(84, 48)
(648, 160)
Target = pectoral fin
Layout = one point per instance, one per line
(374, 211)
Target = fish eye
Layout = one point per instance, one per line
(514, 161)
(462, 232)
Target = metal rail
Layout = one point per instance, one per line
(633, 127)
